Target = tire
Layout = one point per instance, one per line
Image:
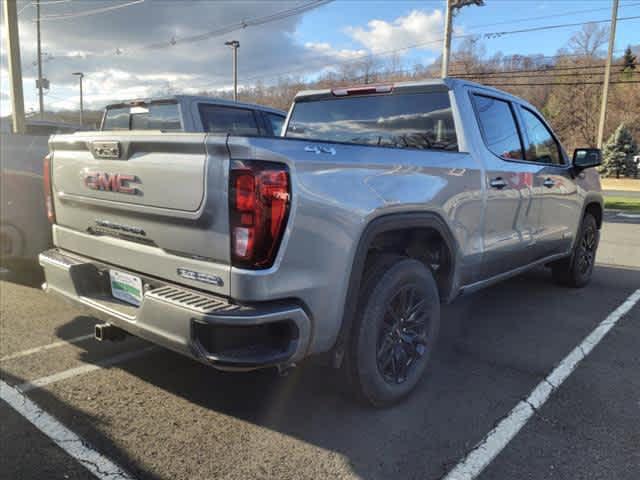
(576, 271)
(389, 352)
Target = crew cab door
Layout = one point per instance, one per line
(513, 210)
(554, 183)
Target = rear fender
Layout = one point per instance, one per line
(387, 223)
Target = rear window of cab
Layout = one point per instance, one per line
(153, 116)
(410, 120)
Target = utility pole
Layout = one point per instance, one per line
(80, 75)
(447, 39)
(40, 97)
(234, 44)
(448, 25)
(15, 69)
(607, 72)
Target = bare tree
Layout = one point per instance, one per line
(589, 40)
(468, 57)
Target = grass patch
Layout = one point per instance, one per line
(622, 203)
(630, 184)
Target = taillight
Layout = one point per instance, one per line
(259, 206)
(48, 195)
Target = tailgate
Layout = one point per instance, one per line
(149, 202)
(162, 170)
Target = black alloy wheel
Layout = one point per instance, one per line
(403, 337)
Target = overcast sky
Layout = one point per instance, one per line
(112, 47)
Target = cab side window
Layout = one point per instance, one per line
(276, 122)
(231, 120)
(499, 128)
(542, 146)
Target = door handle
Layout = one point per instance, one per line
(498, 183)
(548, 183)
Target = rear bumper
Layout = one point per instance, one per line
(202, 326)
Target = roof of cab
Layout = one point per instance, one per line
(448, 83)
(197, 98)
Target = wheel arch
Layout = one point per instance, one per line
(594, 207)
(389, 224)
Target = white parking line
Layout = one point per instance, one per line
(629, 215)
(31, 351)
(72, 444)
(74, 372)
(497, 439)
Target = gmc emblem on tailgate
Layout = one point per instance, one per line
(111, 182)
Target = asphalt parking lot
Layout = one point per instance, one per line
(158, 415)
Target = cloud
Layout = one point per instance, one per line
(418, 27)
(327, 50)
(90, 44)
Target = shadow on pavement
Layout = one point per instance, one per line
(495, 346)
(22, 272)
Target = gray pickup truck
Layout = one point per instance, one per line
(343, 238)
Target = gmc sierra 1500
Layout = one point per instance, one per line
(344, 237)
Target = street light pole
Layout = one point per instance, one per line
(80, 75)
(235, 45)
(39, 48)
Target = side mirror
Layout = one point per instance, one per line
(587, 157)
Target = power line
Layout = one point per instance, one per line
(558, 55)
(532, 84)
(552, 27)
(50, 2)
(498, 76)
(548, 69)
(534, 74)
(487, 35)
(544, 17)
(86, 13)
(245, 23)
(236, 26)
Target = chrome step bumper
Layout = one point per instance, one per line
(200, 325)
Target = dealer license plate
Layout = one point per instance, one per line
(126, 287)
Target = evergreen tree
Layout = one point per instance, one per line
(628, 63)
(618, 152)
(629, 60)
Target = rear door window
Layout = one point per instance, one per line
(276, 122)
(499, 128)
(228, 120)
(541, 145)
(416, 120)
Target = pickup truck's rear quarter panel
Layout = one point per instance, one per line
(180, 203)
(334, 198)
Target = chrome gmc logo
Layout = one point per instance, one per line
(111, 182)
